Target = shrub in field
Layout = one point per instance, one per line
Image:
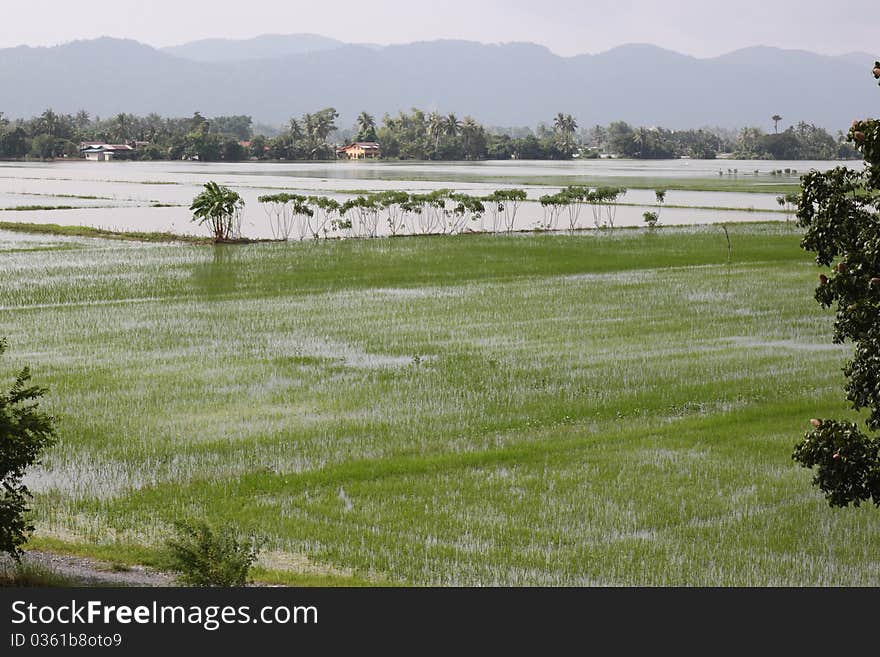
(466, 209)
(366, 210)
(788, 202)
(24, 433)
(396, 205)
(653, 218)
(205, 556)
(504, 204)
(840, 210)
(575, 196)
(286, 212)
(219, 207)
(603, 201)
(325, 212)
(553, 205)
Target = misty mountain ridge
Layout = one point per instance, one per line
(265, 46)
(274, 77)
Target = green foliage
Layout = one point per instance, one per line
(840, 210)
(553, 205)
(503, 205)
(238, 128)
(788, 202)
(412, 135)
(803, 141)
(565, 125)
(20, 573)
(603, 201)
(465, 209)
(313, 131)
(366, 127)
(652, 219)
(24, 433)
(219, 207)
(846, 462)
(205, 556)
(287, 212)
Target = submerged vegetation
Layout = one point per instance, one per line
(441, 211)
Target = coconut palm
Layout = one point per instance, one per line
(470, 129)
(316, 129)
(49, 123)
(641, 137)
(565, 125)
(295, 130)
(199, 123)
(82, 121)
(451, 125)
(436, 127)
(776, 119)
(325, 123)
(366, 127)
(121, 128)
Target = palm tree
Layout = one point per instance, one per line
(776, 119)
(451, 125)
(199, 123)
(154, 125)
(641, 137)
(121, 127)
(325, 124)
(295, 129)
(436, 127)
(565, 125)
(366, 127)
(82, 121)
(559, 122)
(49, 122)
(469, 130)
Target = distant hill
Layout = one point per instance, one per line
(512, 84)
(266, 46)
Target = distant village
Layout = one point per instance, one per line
(97, 151)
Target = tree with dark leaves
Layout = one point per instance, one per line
(25, 432)
(840, 210)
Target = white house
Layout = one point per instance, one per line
(101, 152)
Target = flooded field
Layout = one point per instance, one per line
(155, 196)
(612, 409)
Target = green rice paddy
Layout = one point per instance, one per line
(539, 409)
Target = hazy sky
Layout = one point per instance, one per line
(568, 27)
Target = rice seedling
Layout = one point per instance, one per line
(546, 409)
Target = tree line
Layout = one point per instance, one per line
(408, 135)
(803, 141)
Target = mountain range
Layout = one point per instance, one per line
(274, 77)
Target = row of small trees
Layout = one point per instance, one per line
(439, 212)
(573, 199)
(443, 211)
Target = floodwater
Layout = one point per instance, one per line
(155, 196)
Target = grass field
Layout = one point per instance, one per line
(493, 410)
